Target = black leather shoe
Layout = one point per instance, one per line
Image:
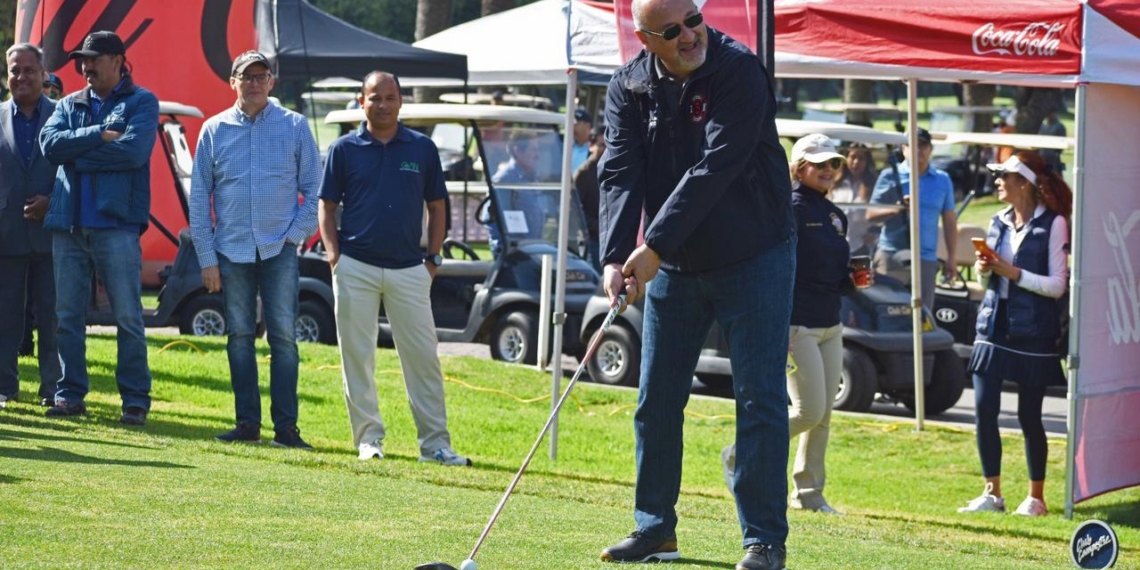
(63, 409)
(47, 402)
(764, 557)
(243, 432)
(289, 437)
(638, 547)
(133, 416)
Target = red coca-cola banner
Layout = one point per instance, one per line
(181, 51)
(1013, 36)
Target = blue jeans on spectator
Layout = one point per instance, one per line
(277, 280)
(751, 301)
(116, 256)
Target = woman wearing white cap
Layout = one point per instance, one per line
(1019, 335)
(816, 335)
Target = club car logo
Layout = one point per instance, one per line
(1094, 545)
(946, 315)
(1038, 39)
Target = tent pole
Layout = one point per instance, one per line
(1074, 360)
(559, 316)
(915, 257)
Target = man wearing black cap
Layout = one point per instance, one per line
(101, 139)
(252, 162)
(53, 87)
(936, 201)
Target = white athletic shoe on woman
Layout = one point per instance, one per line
(446, 456)
(987, 503)
(1031, 507)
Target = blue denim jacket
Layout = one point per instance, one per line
(72, 140)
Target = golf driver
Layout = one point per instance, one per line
(469, 564)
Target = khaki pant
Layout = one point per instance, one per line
(359, 289)
(818, 353)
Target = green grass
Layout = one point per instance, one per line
(89, 493)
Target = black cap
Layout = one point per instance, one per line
(247, 59)
(497, 95)
(923, 136)
(583, 115)
(99, 43)
(54, 80)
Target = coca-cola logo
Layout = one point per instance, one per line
(1038, 39)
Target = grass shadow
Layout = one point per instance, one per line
(705, 563)
(21, 436)
(1120, 514)
(62, 456)
(9, 480)
(1046, 540)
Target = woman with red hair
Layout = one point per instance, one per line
(1019, 335)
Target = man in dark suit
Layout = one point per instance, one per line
(26, 180)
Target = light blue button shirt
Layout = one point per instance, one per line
(248, 174)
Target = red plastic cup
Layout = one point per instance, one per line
(860, 266)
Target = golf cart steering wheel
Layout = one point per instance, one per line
(462, 247)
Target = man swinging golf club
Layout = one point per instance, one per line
(691, 141)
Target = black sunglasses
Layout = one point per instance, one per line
(833, 162)
(672, 31)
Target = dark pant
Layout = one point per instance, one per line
(987, 399)
(751, 301)
(276, 281)
(14, 294)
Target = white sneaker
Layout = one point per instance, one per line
(446, 456)
(987, 503)
(1031, 507)
(374, 450)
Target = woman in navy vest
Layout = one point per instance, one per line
(1019, 322)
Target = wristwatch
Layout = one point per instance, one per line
(434, 259)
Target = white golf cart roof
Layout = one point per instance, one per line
(836, 107)
(172, 108)
(431, 113)
(999, 139)
(795, 128)
(969, 110)
(508, 98)
(335, 97)
(337, 83)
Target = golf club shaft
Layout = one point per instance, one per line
(597, 340)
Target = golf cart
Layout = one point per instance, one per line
(496, 301)
(877, 339)
(183, 301)
(956, 303)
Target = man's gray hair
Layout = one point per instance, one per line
(31, 48)
(637, 10)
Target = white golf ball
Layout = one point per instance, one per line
(468, 564)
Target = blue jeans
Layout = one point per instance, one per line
(752, 303)
(117, 258)
(277, 280)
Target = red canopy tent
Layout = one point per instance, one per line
(1092, 46)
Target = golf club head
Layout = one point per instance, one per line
(435, 566)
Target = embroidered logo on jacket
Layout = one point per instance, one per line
(406, 166)
(838, 224)
(698, 108)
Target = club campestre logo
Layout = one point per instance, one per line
(1094, 545)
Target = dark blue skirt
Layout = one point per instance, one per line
(1031, 362)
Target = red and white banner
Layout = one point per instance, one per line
(1107, 426)
(1032, 37)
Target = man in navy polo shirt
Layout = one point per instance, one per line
(383, 175)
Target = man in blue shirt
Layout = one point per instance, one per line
(384, 175)
(101, 139)
(583, 124)
(25, 248)
(253, 161)
(936, 201)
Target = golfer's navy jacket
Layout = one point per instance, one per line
(708, 169)
(822, 253)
